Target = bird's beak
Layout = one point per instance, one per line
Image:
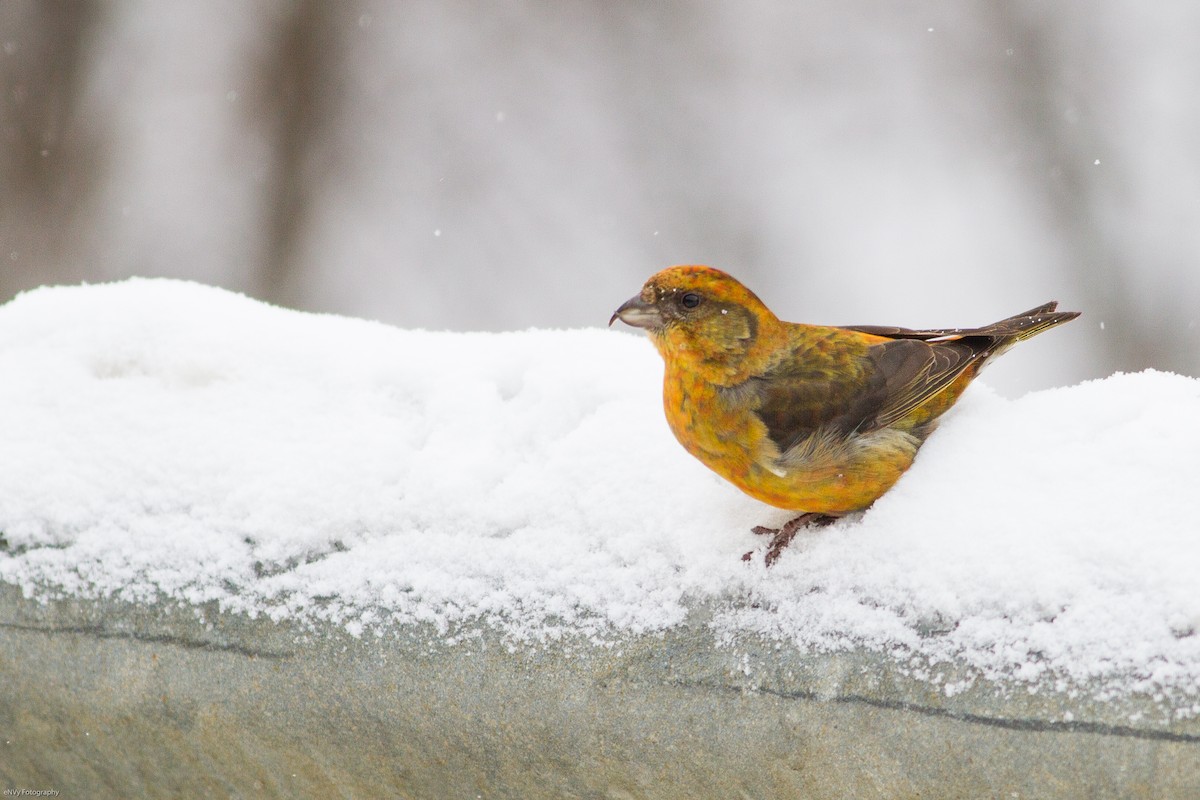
(637, 312)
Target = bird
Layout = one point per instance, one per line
(818, 420)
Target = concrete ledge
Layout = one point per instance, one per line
(99, 698)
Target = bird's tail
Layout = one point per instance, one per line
(989, 340)
(1025, 325)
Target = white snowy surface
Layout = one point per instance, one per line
(161, 439)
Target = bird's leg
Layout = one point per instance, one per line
(782, 537)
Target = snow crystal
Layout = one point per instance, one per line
(161, 439)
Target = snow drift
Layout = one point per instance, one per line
(166, 440)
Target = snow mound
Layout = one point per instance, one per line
(161, 439)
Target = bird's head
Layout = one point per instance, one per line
(698, 315)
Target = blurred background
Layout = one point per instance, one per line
(499, 165)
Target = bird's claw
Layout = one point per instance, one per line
(782, 537)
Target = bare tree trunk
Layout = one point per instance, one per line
(48, 165)
(297, 104)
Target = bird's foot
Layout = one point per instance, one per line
(782, 537)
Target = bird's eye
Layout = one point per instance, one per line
(690, 300)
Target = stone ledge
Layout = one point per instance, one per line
(101, 698)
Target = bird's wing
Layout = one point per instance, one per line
(846, 382)
(858, 389)
(914, 371)
(794, 402)
(949, 352)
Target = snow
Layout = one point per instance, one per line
(167, 440)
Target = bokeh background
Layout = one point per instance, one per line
(500, 165)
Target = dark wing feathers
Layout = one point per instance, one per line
(846, 386)
(871, 390)
(911, 385)
(793, 406)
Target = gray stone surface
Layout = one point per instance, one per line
(105, 699)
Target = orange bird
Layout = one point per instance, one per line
(813, 419)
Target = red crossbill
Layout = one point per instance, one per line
(813, 419)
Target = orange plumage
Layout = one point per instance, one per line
(815, 419)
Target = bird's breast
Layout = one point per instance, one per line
(720, 428)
